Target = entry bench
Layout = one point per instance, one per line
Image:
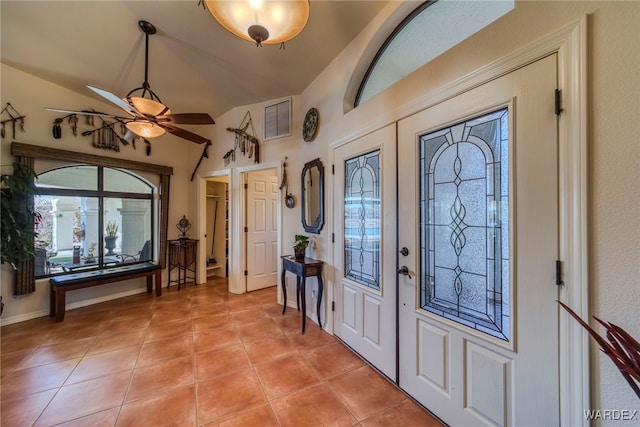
(60, 285)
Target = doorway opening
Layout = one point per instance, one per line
(217, 226)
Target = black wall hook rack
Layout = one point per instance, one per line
(14, 117)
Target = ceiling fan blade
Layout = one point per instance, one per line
(184, 134)
(87, 113)
(114, 99)
(186, 119)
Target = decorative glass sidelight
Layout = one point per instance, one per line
(362, 235)
(464, 223)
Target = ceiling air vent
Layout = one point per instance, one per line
(277, 120)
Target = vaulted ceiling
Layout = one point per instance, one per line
(195, 65)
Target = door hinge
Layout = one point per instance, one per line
(558, 102)
(333, 306)
(333, 169)
(246, 186)
(333, 237)
(246, 229)
(246, 273)
(559, 273)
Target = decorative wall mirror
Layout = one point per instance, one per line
(313, 196)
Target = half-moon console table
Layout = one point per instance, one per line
(302, 268)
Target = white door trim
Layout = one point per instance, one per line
(238, 252)
(570, 43)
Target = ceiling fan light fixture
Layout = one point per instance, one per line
(261, 21)
(148, 107)
(129, 136)
(145, 129)
(149, 117)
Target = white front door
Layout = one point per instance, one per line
(364, 250)
(262, 236)
(478, 318)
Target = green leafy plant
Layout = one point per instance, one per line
(18, 215)
(621, 348)
(301, 242)
(111, 229)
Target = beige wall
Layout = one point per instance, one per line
(614, 172)
(614, 149)
(29, 95)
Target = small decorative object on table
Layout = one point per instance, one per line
(183, 226)
(76, 254)
(300, 246)
(91, 257)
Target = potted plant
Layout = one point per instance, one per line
(300, 246)
(111, 235)
(18, 215)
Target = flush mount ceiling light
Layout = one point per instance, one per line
(261, 21)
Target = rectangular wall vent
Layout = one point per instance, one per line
(277, 120)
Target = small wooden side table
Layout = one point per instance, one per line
(183, 255)
(302, 268)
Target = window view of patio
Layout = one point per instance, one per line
(92, 218)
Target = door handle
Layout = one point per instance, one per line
(404, 270)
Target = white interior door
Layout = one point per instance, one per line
(478, 317)
(364, 250)
(262, 236)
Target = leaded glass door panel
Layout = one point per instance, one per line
(364, 249)
(362, 219)
(478, 328)
(464, 212)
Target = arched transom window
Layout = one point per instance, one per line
(433, 28)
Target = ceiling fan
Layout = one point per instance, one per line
(147, 116)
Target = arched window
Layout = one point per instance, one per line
(92, 217)
(431, 29)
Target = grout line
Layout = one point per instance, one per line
(300, 347)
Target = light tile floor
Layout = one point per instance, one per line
(195, 357)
